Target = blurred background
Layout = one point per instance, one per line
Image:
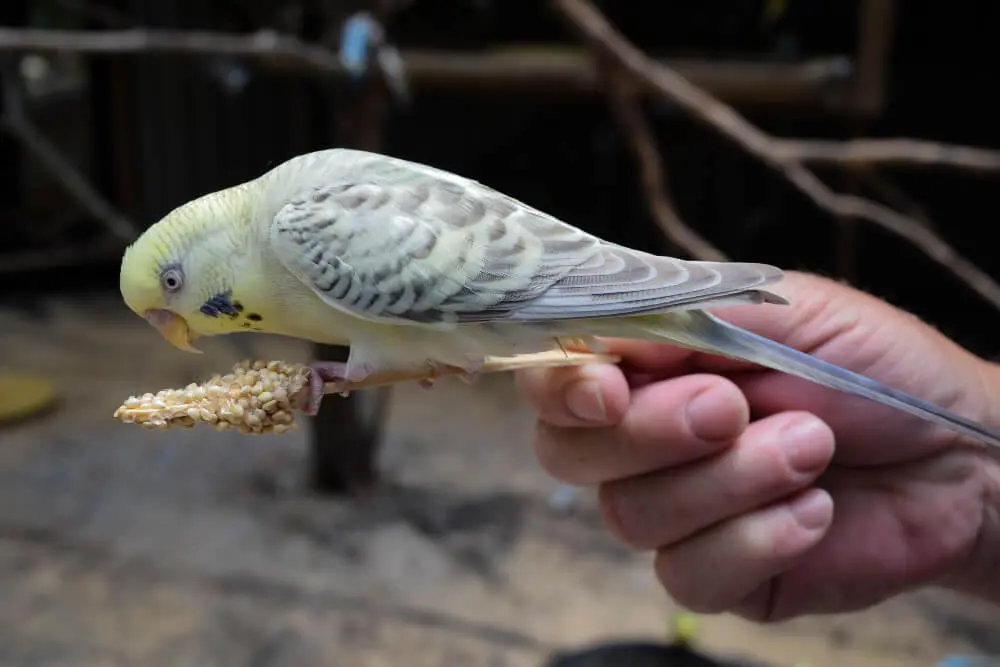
(407, 526)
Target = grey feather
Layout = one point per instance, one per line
(438, 249)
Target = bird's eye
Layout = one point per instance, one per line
(172, 280)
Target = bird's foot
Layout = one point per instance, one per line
(469, 377)
(322, 373)
(433, 371)
(436, 370)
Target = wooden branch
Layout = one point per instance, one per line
(882, 186)
(725, 120)
(889, 152)
(267, 46)
(650, 163)
(551, 71)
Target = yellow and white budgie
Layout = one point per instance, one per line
(412, 266)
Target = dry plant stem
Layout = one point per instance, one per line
(724, 119)
(492, 365)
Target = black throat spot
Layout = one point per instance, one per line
(222, 304)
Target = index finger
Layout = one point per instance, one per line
(595, 395)
(592, 395)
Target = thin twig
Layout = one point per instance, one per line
(548, 359)
(650, 163)
(889, 152)
(725, 120)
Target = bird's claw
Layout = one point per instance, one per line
(322, 373)
(435, 370)
(469, 377)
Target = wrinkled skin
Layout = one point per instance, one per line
(771, 497)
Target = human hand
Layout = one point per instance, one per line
(731, 474)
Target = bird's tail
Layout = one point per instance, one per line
(704, 332)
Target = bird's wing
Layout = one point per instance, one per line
(440, 251)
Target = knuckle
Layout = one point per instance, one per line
(531, 381)
(548, 449)
(562, 453)
(660, 437)
(624, 517)
(685, 587)
(540, 387)
(758, 606)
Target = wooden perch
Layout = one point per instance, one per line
(889, 152)
(725, 120)
(550, 71)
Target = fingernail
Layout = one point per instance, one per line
(813, 511)
(804, 444)
(704, 410)
(584, 400)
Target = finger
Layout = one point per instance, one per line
(867, 425)
(644, 362)
(575, 396)
(668, 423)
(716, 570)
(659, 357)
(772, 459)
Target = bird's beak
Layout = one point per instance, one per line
(173, 328)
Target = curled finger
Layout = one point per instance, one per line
(772, 459)
(667, 424)
(594, 395)
(719, 568)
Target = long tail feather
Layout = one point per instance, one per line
(707, 333)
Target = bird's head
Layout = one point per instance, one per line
(186, 274)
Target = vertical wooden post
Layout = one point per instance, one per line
(875, 32)
(345, 436)
(346, 431)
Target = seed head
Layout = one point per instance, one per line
(256, 397)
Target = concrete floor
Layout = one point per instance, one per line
(120, 546)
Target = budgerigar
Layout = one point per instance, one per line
(415, 267)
